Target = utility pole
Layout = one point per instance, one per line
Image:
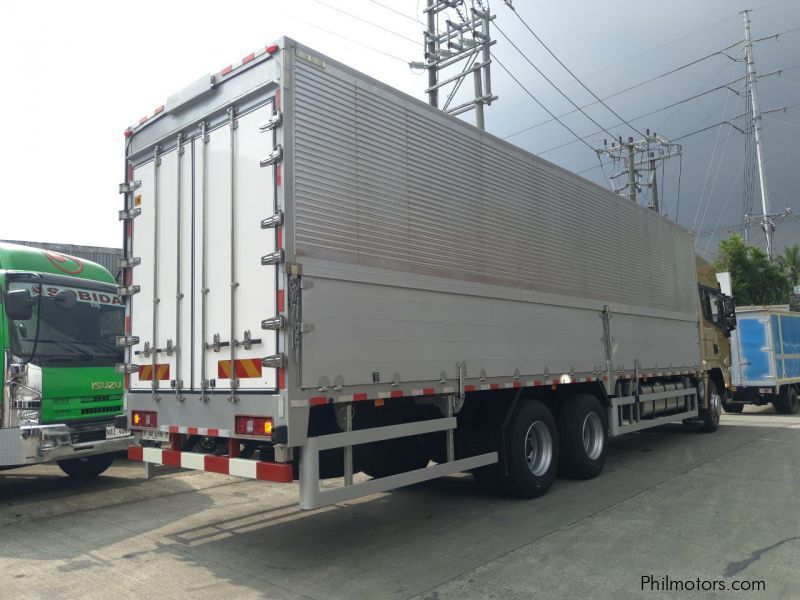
(654, 182)
(467, 39)
(430, 55)
(632, 184)
(766, 218)
(635, 156)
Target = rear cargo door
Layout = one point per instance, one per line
(235, 291)
(161, 311)
(755, 350)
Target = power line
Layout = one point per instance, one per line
(397, 12)
(535, 99)
(630, 88)
(783, 122)
(550, 81)
(357, 18)
(568, 70)
(349, 39)
(652, 112)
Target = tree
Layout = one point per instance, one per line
(756, 281)
(790, 263)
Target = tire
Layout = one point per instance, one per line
(531, 451)
(397, 456)
(733, 408)
(788, 403)
(86, 467)
(709, 417)
(583, 435)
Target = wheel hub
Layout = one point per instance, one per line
(538, 448)
(592, 433)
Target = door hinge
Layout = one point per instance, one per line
(129, 186)
(274, 157)
(127, 215)
(274, 121)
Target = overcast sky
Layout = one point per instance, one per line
(78, 73)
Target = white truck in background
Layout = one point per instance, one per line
(324, 275)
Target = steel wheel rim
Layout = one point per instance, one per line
(592, 433)
(538, 448)
(716, 404)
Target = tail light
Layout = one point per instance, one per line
(253, 425)
(144, 418)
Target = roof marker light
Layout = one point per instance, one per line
(272, 48)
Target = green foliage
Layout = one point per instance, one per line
(756, 281)
(790, 263)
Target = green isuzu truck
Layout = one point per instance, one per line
(62, 397)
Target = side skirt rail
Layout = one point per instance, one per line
(312, 497)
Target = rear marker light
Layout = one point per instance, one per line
(254, 425)
(272, 48)
(128, 132)
(144, 418)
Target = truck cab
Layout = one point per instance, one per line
(62, 397)
(717, 321)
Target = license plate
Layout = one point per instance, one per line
(764, 390)
(115, 432)
(153, 435)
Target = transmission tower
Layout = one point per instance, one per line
(465, 43)
(767, 219)
(636, 163)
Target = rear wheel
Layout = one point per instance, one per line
(733, 407)
(788, 403)
(709, 417)
(86, 467)
(531, 451)
(583, 431)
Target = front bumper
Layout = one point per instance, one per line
(48, 443)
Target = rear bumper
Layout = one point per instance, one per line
(240, 467)
(21, 446)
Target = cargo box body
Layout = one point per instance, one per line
(402, 253)
(766, 348)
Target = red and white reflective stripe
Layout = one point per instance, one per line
(240, 467)
(270, 49)
(210, 431)
(430, 391)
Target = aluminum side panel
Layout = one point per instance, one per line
(402, 334)
(382, 181)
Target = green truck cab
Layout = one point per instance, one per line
(62, 398)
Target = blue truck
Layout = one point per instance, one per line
(765, 349)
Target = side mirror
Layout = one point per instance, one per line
(730, 314)
(19, 305)
(66, 299)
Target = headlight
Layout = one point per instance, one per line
(23, 397)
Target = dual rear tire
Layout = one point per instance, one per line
(536, 447)
(788, 403)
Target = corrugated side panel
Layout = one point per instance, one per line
(382, 181)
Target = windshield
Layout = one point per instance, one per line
(83, 331)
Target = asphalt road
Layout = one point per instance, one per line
(708, 509)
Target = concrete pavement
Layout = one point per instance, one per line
(673, 502)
